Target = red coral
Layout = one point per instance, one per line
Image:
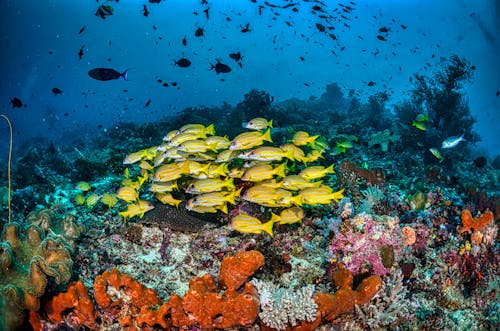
(471, 224)
(235, 270)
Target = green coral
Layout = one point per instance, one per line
(27, 261)
(383, 138)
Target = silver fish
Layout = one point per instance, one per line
(453, 141)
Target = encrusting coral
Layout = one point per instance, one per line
(473, 224)
(121, 299)
(27, 261)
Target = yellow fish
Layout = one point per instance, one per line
(182, 137)
(215, 198)
(226, 156)
(266, 153)
(210, 185)
(286, 199)
(316, 172)
(109, 199)
(206, 209)
(198, 129)
(419, 125)
(218, 142)
(127, 193)
(236, 172)
(261, 172)
(169, 172)
(248, 140)
(297, 152)
(296, 182)
(320, 195)
(215, 171)
(288, 216)
(161, 187)
(261, 195)
(92, 200)
(436, 153)
(196, 146)
(145, 165)
(302, 138)
(168, 199)
(248, 224)
(79, 199)
(313, 156)
(137, 209)
(83, 186)
(259, 123)
(170, 135)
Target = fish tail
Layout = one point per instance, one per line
(330, 170)
(268, 227)
(270, 123)
(280, 170)
(210, 129)
(267, 135)
(275, 218)
(125, 73)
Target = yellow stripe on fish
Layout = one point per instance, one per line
(137, 209)
(169, 172)
(210, 185)
(320, 195)
(288, 216)
(301, 138)
(168, 199)
(127, 193)
(262, 172)
(249, 224)
(267, 153)
(316, 172)
(248, 140)
(259, 123)
(296, 182)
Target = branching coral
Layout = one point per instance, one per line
(26, 263)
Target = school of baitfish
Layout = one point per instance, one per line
(215, 173)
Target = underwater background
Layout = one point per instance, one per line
(249, 165)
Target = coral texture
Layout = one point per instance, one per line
(27, 262)
(470, 224)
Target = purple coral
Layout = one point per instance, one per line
(364, 241)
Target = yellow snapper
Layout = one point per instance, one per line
(167, 199)
(259, 123)
(320, 195)
(436, 153)
(182, 137)
(218, 142)
(127, 193)
(316, 172)
(297, 152)
(196, 146)
(137, 209)
(195, 168)
(109, 199)
(261, 195)
(236, 172)
(248, 140)
(226, 156)
(313, 156)
(419, 125)
(261, 172)
(302, 138)
(266, 153)
(286, 199)
(296, 182)
(169, 172)
(215, 170)
(248, 224)
(145, 165)
(210, 185)
(170, 135)
(83, 186)
(198, 129)
(215, 198)
(206, 209)
(79, 199)
(92, 200)
(288, 216)
(160, 187)
(148, 154)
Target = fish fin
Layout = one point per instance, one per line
(125, 73)
(268, 227)
(270, 123)
(275, 218)
(267, 135)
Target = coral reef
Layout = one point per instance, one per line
(382, 139)
(28, 261)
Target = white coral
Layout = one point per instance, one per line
(285, 306)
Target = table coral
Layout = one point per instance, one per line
(26, 262)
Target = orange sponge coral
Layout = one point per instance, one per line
(471, 224)
(235, 270)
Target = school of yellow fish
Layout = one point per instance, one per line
(216, 173)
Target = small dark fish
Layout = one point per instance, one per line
(198, 32)
(245, 28)
(183, 63)
(154, 1)
(317, 8)
(403, 27)
(105, 74)
(184, 41)
(320, 27)
(206, 13)
(331, 35)
(80, 52)
(220, 68)
(82, 29)
(173, 83)
(382, 38)
(147, 103)
(154, 27)
(236, 56)
(103, 11)
(370, 83)
(301, 58)
(145, 11)
(295, 9)
(16, 102)
(307, 84)
(56, 90)
(498, 94)
(383, 29)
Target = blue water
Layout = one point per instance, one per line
(40, 45)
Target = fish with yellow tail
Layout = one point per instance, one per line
(320, 195)
(248, 224)
(148, 154)
(262, 172)
(296, 182)
(207, 185)
(302, 138)
(198, 129)
(167, 199)
(170, 171)
(109, 199)
(288, 216)
(316, 172)
(259, 123)
(83, 186)
(313, 156)
(267, 153)
(262, 195)
(251, 139)
(138, 208)
(297, 152)
(127, 194)
(437, 154)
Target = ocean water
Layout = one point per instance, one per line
(396, 102)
